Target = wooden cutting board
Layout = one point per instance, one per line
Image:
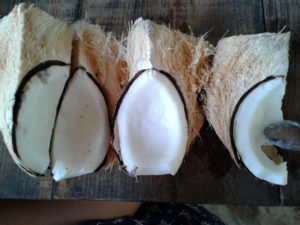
(208, 175)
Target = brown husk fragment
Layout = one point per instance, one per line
(241, 62)
(272, 153)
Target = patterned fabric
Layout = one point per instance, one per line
(165, 214)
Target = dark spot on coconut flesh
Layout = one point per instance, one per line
(25, 89)
(25, 130)
(42, 75)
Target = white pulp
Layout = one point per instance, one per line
(152, 126)
(259, 109)
(81, 136)
(36, 116)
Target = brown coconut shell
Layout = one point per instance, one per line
(101, 54)
(239, 63)
(182, 56)
(27, 40)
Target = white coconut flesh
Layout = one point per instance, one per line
(261, 107)
(152, 126)
(36, 116)
(82, 132)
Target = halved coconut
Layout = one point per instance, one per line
(152, 125)
(82, 132)
(158, 141)
(35, 112)
(101, 54)
(257, 109)
(240, 63)
(28, 37)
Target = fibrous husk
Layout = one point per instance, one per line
(28, 37)
(101, 54)
(183, 56)
(241, 62)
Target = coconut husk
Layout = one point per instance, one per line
(239, 63)
(101, 54)
(184, 57)
(28, 38)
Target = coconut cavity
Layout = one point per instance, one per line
(152, 125)
(61, 116)
(60, 121)
(35, 115)
(82, 133)
(260, 107)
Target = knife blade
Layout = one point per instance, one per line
(284, 134)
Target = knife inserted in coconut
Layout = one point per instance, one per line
(284, 134)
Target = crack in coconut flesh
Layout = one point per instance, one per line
(152, 132)
(245, 94)
(81, 135)
(36, 116)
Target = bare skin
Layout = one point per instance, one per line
(62, 212)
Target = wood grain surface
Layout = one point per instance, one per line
(208, 174)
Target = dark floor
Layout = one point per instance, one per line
(246, 215)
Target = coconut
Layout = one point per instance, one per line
(152, 125)
(27, 35)
(258, 108)
(35, 111)
(101, 54)
(53, 113)
(175, 67)
(236, 98)
(82, 131)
